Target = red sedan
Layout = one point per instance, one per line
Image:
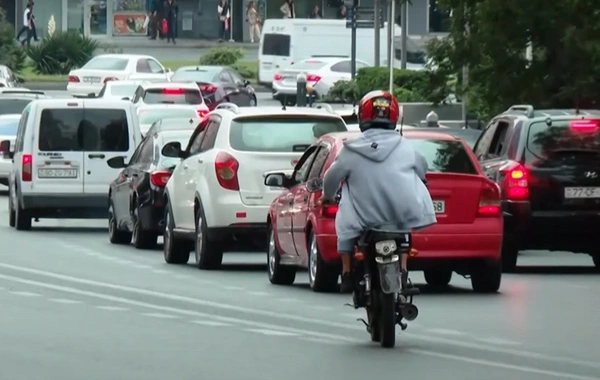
(467, 238)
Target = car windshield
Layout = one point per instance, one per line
(149, 116)
(444, 156)
(13, 106)
(123, 89)
(172, 96)
(106, 63)
(194, 75)
(560, 139)
(8, 127)
(280, 134)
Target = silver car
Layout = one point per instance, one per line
(321, 74)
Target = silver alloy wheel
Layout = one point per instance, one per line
(167, 234)
(313, 266)
(252, 102)
(199, 240)
(271, 254)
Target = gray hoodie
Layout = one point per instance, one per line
(383, 184)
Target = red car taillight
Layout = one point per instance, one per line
(202, 113)
(489, 200)
(207, 88)
(73, 79)
(313, 78)
(277, 77)
(160, 178)
(514, 183)
(226, 168)
(26, 167)
(329, 211)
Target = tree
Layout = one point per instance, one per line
(565, 68)
(11, 54)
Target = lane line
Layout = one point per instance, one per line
(303, 320)
(446, 332)
(271, 332)
(112, 308)
(64, 301)
(212, 323)
(26, 294)
(499, 341)
(321, 341)
(160, 315)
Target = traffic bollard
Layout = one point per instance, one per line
(432, 120)
(301, 90)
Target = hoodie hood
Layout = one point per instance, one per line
(375, 144)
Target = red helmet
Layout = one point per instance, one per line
(378, 109)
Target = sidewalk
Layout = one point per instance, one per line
(143, 42)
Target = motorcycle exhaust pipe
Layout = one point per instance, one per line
(409, 312)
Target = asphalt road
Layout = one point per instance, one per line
(74, 306)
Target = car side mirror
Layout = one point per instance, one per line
(172, 149)
(125, 98)
(117, 162)
(5, 148)
(276, 180)
(168, 70)
(314, 185)
(246, 83)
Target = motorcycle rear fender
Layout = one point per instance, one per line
(389, 274)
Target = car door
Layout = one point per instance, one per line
(182, 200)
(303, 199)
(245, 93)
(232, 92)
(120, 189)
(137, 172)
(105, 132)
(157, 71)
(492, 145)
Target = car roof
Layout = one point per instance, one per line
(10, 116)
(158, 85)
(341, 136)
(280, 111)
(61, 102)
(150, 107)
(200, 68)
(174, 123)
(125, 82)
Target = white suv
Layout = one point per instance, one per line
(216, 199)
(60, 158)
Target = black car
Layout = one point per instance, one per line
(218, 84)
(15, 101)
(547, 164)
(136, 206)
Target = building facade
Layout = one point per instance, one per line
(197, 18)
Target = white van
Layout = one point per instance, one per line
(60, 157)
(285, 41)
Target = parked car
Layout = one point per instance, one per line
(8, 79)
(467, 238)
(219, 84)
(15, 101)
(136, 196)
(151, 113)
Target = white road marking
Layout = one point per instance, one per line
(229, 287)
(123, 262)
(489, 363)
(112, 308)
(259, 294)
(446, 332)
(322, 341)
(64, 300)
(160, 315)
(271, 332)
(211, 323)
(142, 266)
(159, 271)
(26, 294)
(281, 316)
(499, 341)
(104, 257)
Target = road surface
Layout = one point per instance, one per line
(74, 306)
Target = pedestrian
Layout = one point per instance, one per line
(170, 13)
(156, 12)
(316, 12)
(26, 26)
(30, 25)
(253, 21)
(288, 9)
(343, 12)
(223, 9)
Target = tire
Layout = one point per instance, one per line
(116, 236)
(438, 277)
(278, 274)
(387, 320)
(255, 102)
(374, 326)
(142, 239)
(176, 251)
(208, 253)
(322, 277)
(487, 278)
(12, 216)
(22, 218)
(509, 255)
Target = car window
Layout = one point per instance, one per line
(181, 137)
(276, 44)
(280, 134)
(92, 130)
(482, 146)
(225, 77)
(105, 63)
(194, 147)
(9, 127)
(13, 106)
(320, 159)
(142, 66)
(445, 156)
(123, 90)
(199, 76)
(236, 77)
(304, 164)
(147, 152)
(149, 116)
(210, 135)
(309, 64)
(21, 130)
(560, 139)
(343, 67)
(172, 96)
(155, 68)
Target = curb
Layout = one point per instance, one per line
(59, 86)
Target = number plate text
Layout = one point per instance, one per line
(582, 192)
(439, 207)
(57, 173)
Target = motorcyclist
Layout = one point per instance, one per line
(382, 178)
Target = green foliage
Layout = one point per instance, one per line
(246, 71)
(222, 56)
(61, 53)
(11, 53)
(565, 68)
(409, 85)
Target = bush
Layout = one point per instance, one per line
(246, 71)
(61, 52)
(345, 91)
(222, 56)
(11, 54)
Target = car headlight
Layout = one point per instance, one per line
(386, 247)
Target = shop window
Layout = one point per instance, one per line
(440, 19)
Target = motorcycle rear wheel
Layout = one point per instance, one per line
(387, 320)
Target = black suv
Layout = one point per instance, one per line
(15, 101)
(547, 163)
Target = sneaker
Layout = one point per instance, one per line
(347, 285)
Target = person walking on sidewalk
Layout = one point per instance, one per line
(171, 10)
(288, 9)
(223, 9)
(253, 21)
(156, 13)
(26, 24)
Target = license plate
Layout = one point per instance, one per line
(289, 80)
(57, 173)
(91, 79)
(439, 207)
(582, 192)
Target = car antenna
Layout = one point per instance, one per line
(401, 125)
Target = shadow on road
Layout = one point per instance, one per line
(74, 230)
(244, 267)
(552, 270)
